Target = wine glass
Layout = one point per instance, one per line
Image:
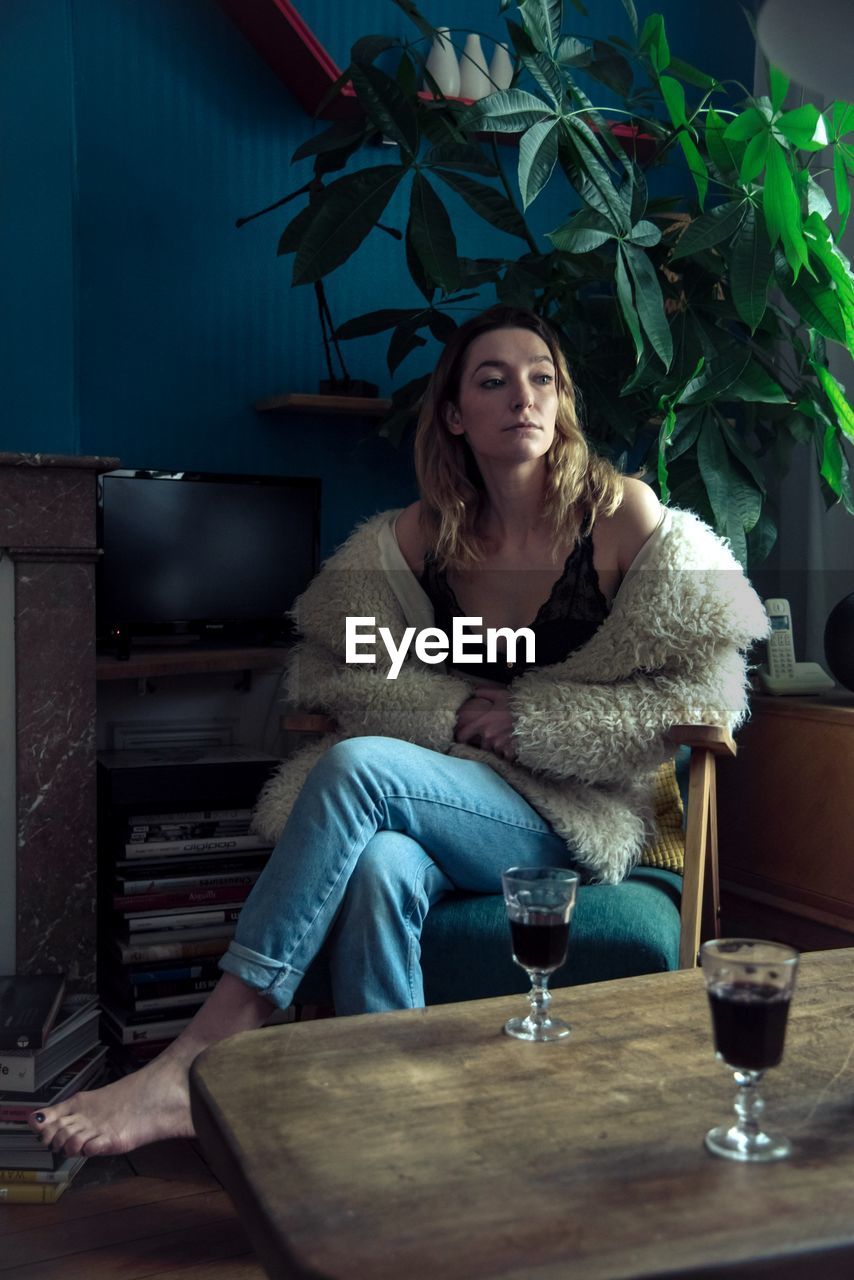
(539, 903)
(749, 984)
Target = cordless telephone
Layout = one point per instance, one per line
(783, 675)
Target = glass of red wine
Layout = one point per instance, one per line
(749, 984)
(539, 904)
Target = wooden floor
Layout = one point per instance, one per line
(156, 1215)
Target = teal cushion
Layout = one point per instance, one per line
(617, 931)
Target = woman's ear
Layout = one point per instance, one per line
(452, 418)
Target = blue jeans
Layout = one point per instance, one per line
(379, 832)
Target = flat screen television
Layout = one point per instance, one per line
(193, 556)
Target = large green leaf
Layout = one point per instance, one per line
(782, 209)
(835, 393)
(755, 384)
(843, 190)
(291, 238)
(584, 232)
(507, 111)
(650, 303)
(674, 99)
(653, 42)
(750, 269)
(665, 432)
(739, 450)
(692, 75)
(719, 149)
(423, 283)
(834, 464)
(626, 302)
(546, 72)
(490, 204)
(377, 322)
(714, 464)
(629, 6)
(433, 236)
(745, 125)
(819, 306)
(386, 106)
(710, 229)
(348, 210)
(804, 127)
(779, 87)
(403, 342)
(716, 378)
(537, 157)
(753, 160)
(591, 178)
(338, 137)
(644, 234)
(696, 164)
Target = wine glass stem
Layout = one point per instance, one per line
(540, 998)
(748, 1103)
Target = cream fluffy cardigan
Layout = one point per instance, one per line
(589, 731)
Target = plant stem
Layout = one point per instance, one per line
(532, 244)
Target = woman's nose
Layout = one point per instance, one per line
(522, 396)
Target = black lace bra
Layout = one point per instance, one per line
(573, 612)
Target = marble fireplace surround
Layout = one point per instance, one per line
(48, 550)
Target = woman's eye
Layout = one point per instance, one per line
(544, 379)
(492, 382)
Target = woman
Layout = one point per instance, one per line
(439, 778)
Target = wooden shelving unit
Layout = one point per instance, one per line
(145, 663)
(298, 402)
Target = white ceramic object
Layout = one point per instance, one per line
(474, 81)
(443, 65)
(501, 68)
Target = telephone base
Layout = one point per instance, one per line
(808, 677)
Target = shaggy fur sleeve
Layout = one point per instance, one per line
(606, 733)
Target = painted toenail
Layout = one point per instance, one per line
(40, 1117)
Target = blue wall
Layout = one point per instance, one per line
(138, 321)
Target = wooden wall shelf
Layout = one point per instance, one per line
(297, 402)
(145, 663)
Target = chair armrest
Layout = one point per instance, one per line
(307, 722)
(703, 737)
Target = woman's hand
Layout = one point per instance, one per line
(484, 720)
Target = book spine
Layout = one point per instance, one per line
(137, 1034)
(157, 936)
(146, 978)
(181, 920)
(194, 815)
(147, 848)
(193, 998)
(31, 1193)
(167, 990)
(133, 953)
(18, 1074)
(133, 889)
(226, 895)
(16, 1176)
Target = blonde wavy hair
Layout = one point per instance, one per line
(579, 487)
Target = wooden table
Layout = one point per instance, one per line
(427, 1145)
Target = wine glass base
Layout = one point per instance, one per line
(527, 1029)
(732, 1144)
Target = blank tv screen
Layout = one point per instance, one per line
(180, 549)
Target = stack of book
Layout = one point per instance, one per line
(49, 1050)
(180, 881)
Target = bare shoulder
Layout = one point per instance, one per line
(410, 537)
(636, 518)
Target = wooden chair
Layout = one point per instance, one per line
(700, 898)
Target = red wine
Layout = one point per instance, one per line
(749, 1021)
(540, 943)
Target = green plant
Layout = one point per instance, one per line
(696, 325)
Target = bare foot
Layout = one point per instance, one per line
(153, 1103)
(148, 1106)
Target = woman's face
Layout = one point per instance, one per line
(507, 402)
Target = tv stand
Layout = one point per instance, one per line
(199, 659)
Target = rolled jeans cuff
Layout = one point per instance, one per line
(273, 979)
